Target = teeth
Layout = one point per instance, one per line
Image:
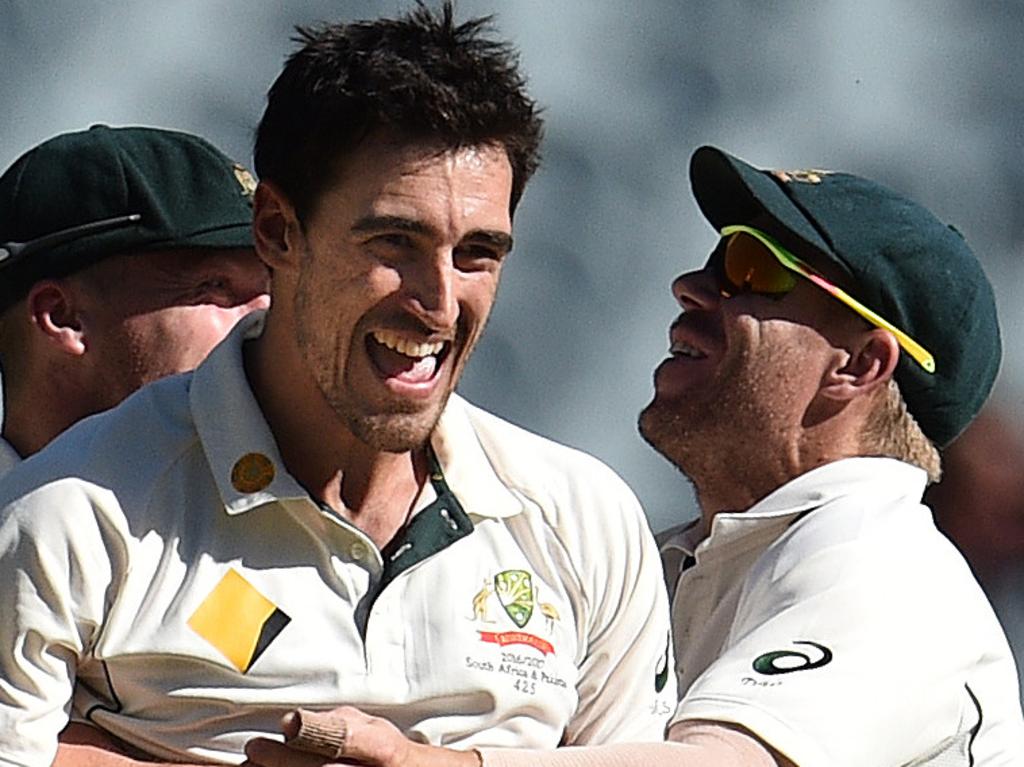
(404, 346)
(683, 349)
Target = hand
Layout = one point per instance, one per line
(348, 736)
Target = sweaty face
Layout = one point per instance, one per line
(740, 377)
(401, 264)
(149, 315)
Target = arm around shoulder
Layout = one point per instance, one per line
(691, 744)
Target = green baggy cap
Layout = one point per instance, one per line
(903, 263)
(81, 197)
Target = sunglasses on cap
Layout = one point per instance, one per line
(750, 261)
(12, 252)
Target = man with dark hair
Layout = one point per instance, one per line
(313, 517)
(125, 255)
(838, 338)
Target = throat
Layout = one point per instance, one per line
(379, 499)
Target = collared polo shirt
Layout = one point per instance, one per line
(834, 621)
(172, 584)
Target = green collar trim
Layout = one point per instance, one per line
(432, 530)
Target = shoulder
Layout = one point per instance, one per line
(865, 559)
(121, 448)
(567, 503)
(553, 475)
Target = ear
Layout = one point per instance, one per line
(53, 310)
(276, 229)
(869, 364)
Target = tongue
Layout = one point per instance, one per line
(408, 369)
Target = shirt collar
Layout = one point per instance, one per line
(238, 443)
(780, 508)
(468, 469)
(247, 465)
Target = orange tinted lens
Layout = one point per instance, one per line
(748, 266)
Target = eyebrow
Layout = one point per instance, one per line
(367, 224)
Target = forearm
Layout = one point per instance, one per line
(347, 733)
(84, 746)
(692, 745)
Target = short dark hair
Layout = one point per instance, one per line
(420, 75)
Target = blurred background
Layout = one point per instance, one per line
(922, 95)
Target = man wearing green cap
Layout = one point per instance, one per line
(837, 339)
(125, 255)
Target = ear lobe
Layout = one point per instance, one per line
(52, 310)
(276, 228)
(868, 365)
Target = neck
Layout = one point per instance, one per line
(373, 489)
(752, 471)
(28, 435)
(34, 415)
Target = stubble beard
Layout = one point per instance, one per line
(395, 428)
(722, 432)
(391, 432)
(391, 428)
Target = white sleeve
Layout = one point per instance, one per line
(844, 658)
(56, 566)
(627, 682)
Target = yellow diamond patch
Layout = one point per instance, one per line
(238, 620)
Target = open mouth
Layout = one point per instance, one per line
(684, 349)
(399, 357)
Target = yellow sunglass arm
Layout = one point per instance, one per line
(791, 262)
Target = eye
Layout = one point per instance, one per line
(397, 240)
(478, 257)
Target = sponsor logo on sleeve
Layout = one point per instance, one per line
(788, 661)
(661, 673)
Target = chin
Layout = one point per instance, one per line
(395, 432)
(664, 429)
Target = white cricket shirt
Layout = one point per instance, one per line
(167, 577)
(834, 621)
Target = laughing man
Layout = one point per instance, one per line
(314, 518)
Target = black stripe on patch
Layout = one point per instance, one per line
(272, 626)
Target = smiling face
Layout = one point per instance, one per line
(397, 272)
(734, 396)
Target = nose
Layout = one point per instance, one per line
(431, 287)
(697, 290)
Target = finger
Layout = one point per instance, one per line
(346, 732)
(318, 732)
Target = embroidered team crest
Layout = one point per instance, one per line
(514, 589)
(245, 180)
(811, 176)
(515, 592)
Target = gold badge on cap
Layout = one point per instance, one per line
(245, 179)
(811, 176)
(252, 472)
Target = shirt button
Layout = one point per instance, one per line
(357, 550)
